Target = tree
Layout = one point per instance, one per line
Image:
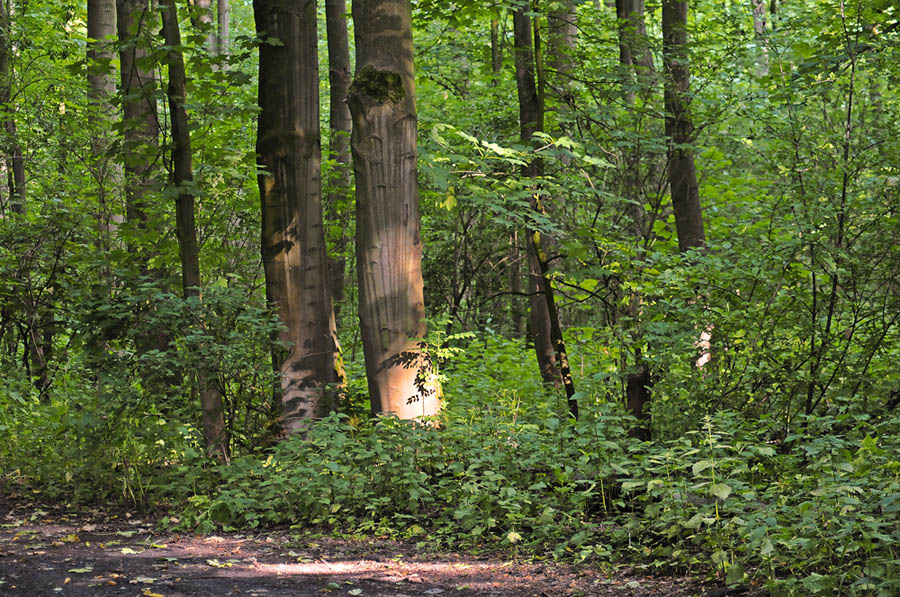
(212, 409)
(293, 241)
(680, 126)
(15, 164)
(340, 123)
(139, 111)
(107, 171)
(388, 243)
(549, 346)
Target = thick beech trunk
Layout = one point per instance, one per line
(680, 127)
(340, 199)
(212, 409)
(293, 241)
(388, 242)
(546, 332)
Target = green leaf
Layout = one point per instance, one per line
(817, 583)
(720, 490)
(701, 466)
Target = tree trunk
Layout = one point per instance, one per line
(496, 51)
(340, 199)
(107, 172)
(759, 28)
(204, 22)
(679, 127)
(224, 33)
(388, 242)
(293, 241)
(212, 409)
(140, 143)
(531, 121)
(15, 164)
(549, 346)
(562, 30)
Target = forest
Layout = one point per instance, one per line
(614, 282)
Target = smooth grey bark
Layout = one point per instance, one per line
(212, 409)
(223, 20)
(339, 200)
(679, 126)
(388, 242)
(293, 241)
(203, 19)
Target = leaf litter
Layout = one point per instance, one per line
(272, 563)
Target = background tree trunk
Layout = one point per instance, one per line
(141, 124)
(679, 126)
(293, 241)
(531, 121)
(101, 26)
(212, 409)
(15, 163)
(339, 200)
(547, 333)
(388, 242)
(223, 16)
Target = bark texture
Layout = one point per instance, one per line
(107, 172)
(679, 126)
(531, 121)
(293, 242)
(15, 163)
(340, 123)
(204, 21)
(223, 16)
(388, 243)
(212, 409)
(549, 346)
(496, 50)
(562, 36)
(140, 143)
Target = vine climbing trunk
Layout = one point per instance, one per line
(388, 242)
(212, 408)
(293, 241)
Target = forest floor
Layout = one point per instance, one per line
(55, 550)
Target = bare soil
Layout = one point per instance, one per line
(53, 550)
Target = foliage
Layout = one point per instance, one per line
(775, 464)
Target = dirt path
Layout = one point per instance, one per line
(50, 551)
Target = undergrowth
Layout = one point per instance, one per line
(809, 510)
